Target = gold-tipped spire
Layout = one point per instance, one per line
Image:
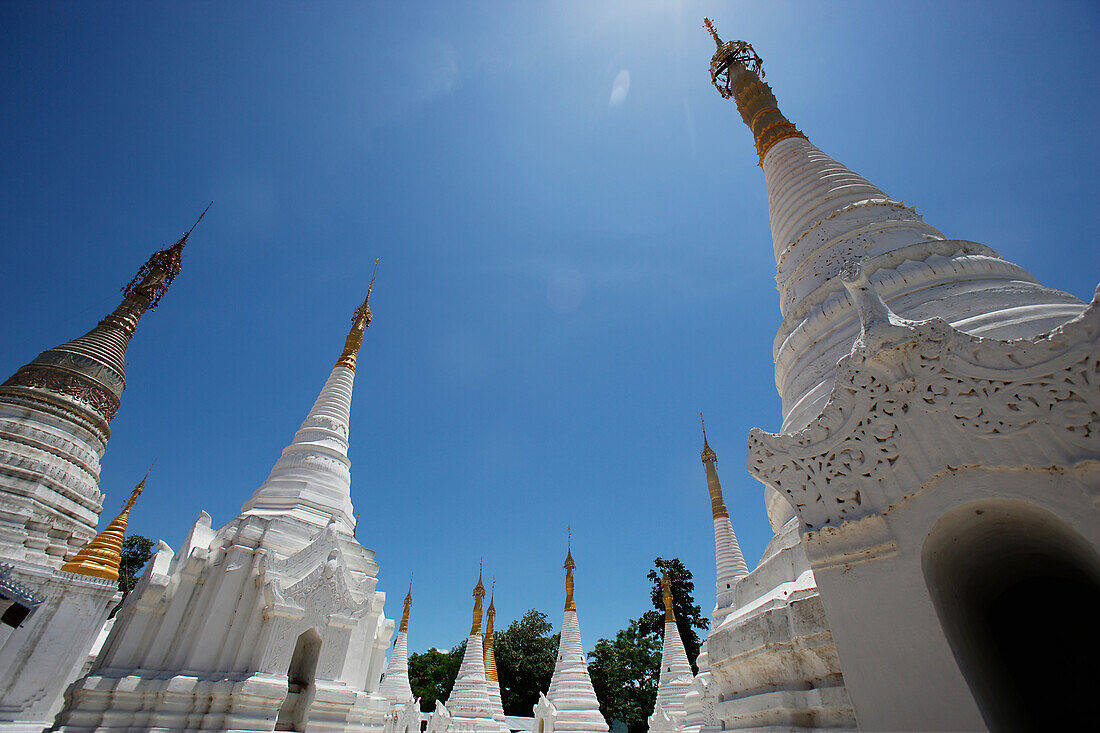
(479, 596)
(158, 272)
(101, 557)
(570, 565)
(737, 71)
(360, 319)
(666, 593)
(408, 604)
(489, 656)
(717, 502)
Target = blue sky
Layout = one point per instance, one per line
(573, 230)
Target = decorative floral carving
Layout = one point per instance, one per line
(66, 383)
(915, 398)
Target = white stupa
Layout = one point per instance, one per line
(404, 715)
(272, 621)
(55, 418)
(395, 681)
(570, 706)
(669, 714)
(939, 426)
(469, 707)
(727, 552)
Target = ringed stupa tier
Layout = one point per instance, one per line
(570, 706)
(727, 552)
(823, 216)
(55, 421)
(491, 678)
(310, 485)
(273, 621)
(669, 714)
(395, 685)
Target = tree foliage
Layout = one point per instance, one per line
(689, 616)
(525, 654)
(625, 673)
(136, 551)
(432, 674)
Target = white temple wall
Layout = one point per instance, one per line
(51, 646)
(876, 650)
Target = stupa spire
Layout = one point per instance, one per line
(360, 319)
(730, 561)
(823, 216)
(479, 597)
(570, 565)
(666, 596)
(311, 481)
(101, 557)
(88, 374)
(395, 684)
(470, 705)
(408, 604)
(491, 681)
(571, 695)
(676, 676)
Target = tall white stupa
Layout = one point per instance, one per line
(932, 487)
(570, 706)
(669, 714)
(272, 622)
(404, 715)
(55, 417)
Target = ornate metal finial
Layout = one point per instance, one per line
(666, 593)
(479, 596)
(708, 454)
(408, 604)
(570, 565)
(729, 55)
(139, 488)
(713, 32)
(158, 272)
(488, 655)
(360, 319)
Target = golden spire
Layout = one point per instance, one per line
(489, 656)
(160, 269)
(479, 596)
(101, 557)
(408, 604)
(717, 502)
(736, 71)
(570, 604)
(666, 592)
(360, 319)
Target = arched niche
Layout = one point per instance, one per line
(1017, 591)
(300, 677)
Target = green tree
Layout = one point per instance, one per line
(136, 551)
(689, 616)
(625, 673)
(525, 654)
(432, 674)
